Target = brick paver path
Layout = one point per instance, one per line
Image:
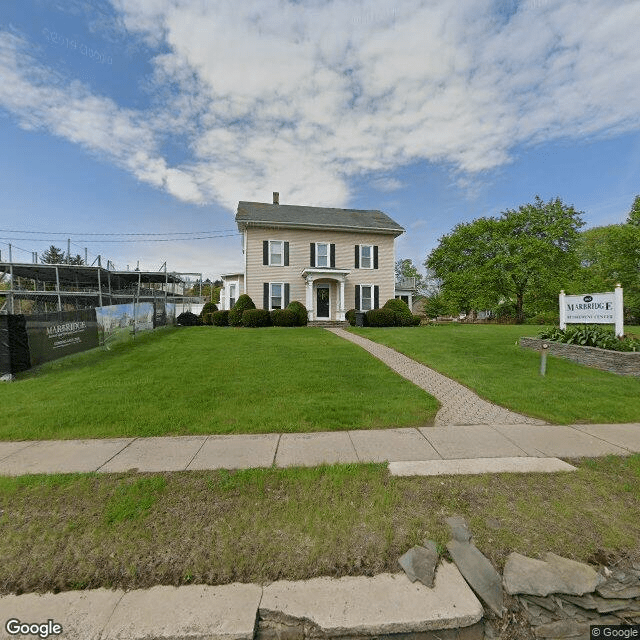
(459, 404)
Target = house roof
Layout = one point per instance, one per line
(259, 214)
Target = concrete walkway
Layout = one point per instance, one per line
(460, 405)
(435, 444)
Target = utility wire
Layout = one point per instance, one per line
(142, 240)
(75, 233)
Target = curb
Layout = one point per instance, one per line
(321, 608)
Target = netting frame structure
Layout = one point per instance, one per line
(60, 287)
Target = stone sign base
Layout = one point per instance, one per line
(624, 363)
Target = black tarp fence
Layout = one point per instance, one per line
(28, 341)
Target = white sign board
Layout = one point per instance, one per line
(592, 308)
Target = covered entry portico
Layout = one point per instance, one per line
(325, 293)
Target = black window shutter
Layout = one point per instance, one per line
(265, 252)
(265, 297)
(357, 262)
(286, 254)
(286, 295)
(376, 296)
(333, 256)
(375, 258)
(357, 306)
(312, 255)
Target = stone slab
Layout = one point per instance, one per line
(156, 454)
(420, 563)
(382, 445)
(196, 612)
(82, 614)
(471, 441)
(236, 452)
(308, 449)
(387, 603)
(479, 573)
(9, 448)
(478, 465)
(626, 436)
(63, 456)
(553, 440)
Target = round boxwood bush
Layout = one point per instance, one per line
(209, 307)
(220, 318)
(350, 317)
(187, 319)
(300, 311)
(380, 318)
(402, 313)
(255, 318)
(206, 318)
(283, 318)
(243, 303)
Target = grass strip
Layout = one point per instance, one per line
(487, 359)
(212, 380)
(137, 530)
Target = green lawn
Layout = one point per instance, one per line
(133, 530)
(212, 380)
(487, 359)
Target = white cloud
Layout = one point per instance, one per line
(301, 96)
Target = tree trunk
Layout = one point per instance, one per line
(519, 308)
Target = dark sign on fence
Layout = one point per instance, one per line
(54, 335)
(14, 345)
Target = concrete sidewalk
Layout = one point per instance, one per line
(425, 444)
(322, 607)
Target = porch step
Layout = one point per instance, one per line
(329, 324)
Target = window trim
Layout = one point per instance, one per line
(328, 255)
(271, 296)
(370, 256)
(372, 296)
(281, 242)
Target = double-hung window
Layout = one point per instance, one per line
(322, 254)
(275, 253)
(276, 295)
(366, 256)
(366, 297)
(232, 295)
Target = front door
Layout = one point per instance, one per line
(322, 301)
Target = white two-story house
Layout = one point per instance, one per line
(331, 260)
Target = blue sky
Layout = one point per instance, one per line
(157, 116)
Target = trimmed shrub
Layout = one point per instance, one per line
(255, 318)
(188, 319)
(206, 318)
(300, 311)
(209, 307)
(380, 318)
(284, 318)
(220, 318)
(401, 312)
(243, 303)
(350, 316)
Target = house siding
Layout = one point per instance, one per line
(299, 259)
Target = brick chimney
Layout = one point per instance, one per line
(276, 197)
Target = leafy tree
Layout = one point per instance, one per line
(610, 255)
(525, 256)
(634, 215)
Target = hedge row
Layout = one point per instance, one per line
(394, 313)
